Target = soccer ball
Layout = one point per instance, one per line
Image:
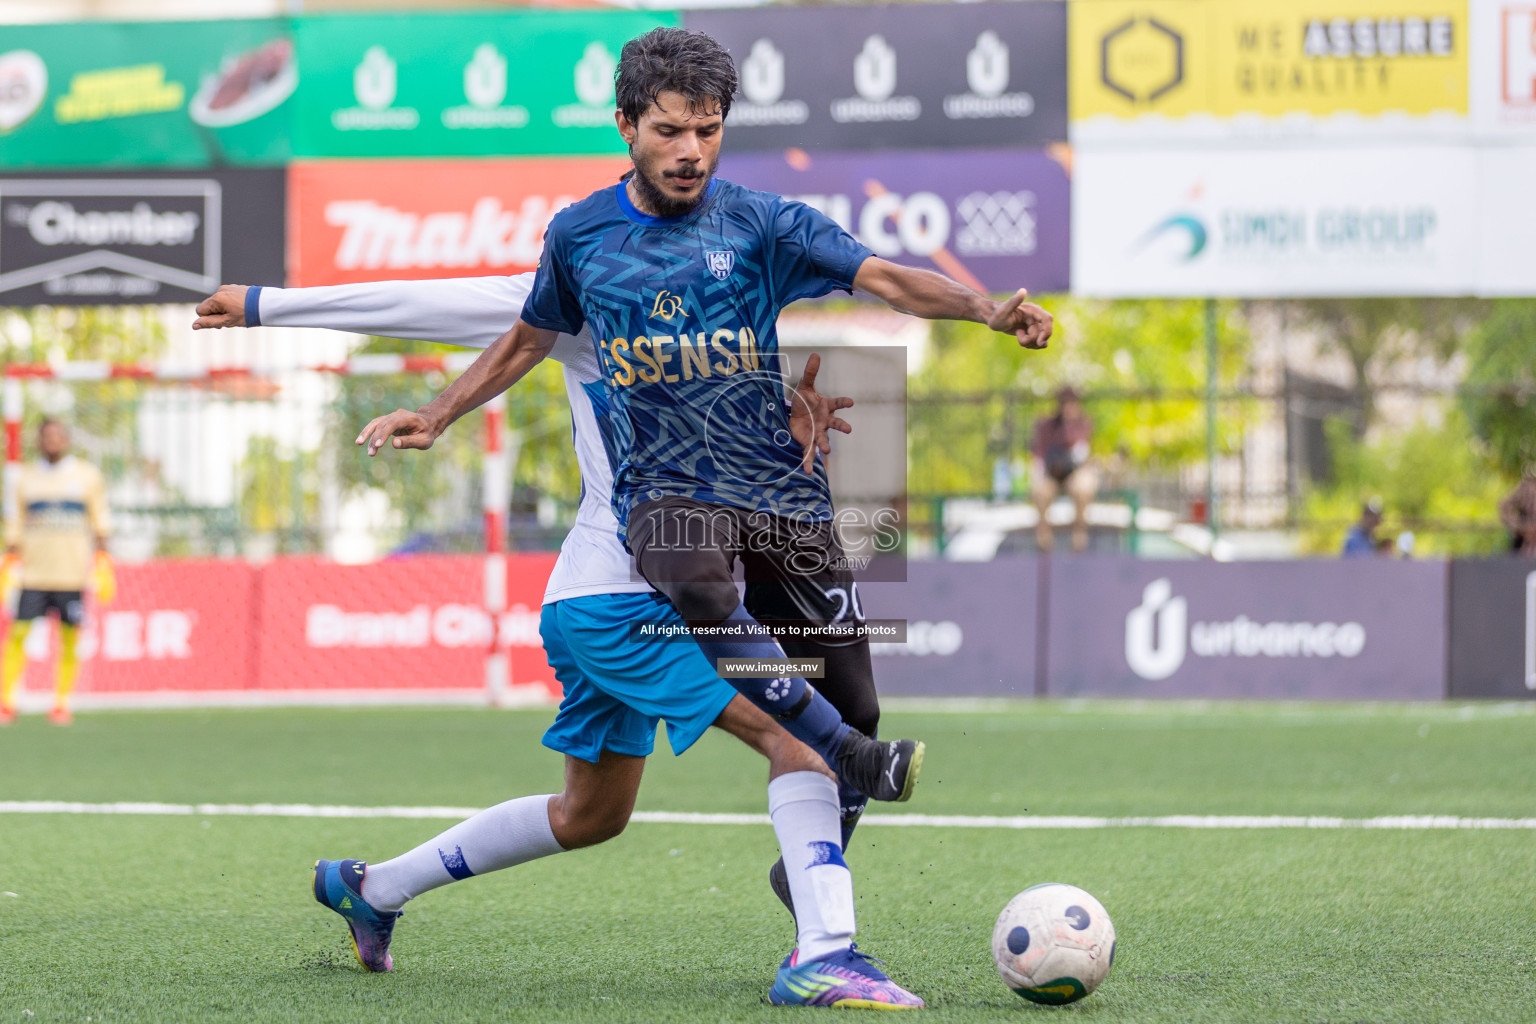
(1053, 943)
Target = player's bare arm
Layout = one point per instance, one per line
(812, 414)
(224, 308)
(935, 297)
(506, 362)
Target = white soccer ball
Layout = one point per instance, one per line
(1053, 943)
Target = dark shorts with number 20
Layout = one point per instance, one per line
(795, 571)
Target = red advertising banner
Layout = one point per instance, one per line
(371, 220)
(414, 623)
(175, 626)
(221, 627)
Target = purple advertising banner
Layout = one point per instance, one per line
(1493, 628)
(970, 629)
(1354, 630)
(993, 219)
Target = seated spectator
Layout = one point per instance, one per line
(1518, 514)
(1061, 464)
(1360, 541)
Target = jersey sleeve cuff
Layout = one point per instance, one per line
(559, 327)
(253, 306)
(844, 274)
(851, 270)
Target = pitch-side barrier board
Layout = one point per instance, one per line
(1075, 627)
(971, 629)
(1111, 627)
(1493, 629)
(306, 626)
(1302, 630)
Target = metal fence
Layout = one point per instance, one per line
(1284, 461)
(253, 463)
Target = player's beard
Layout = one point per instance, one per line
(658, 201)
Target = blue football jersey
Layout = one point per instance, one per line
(682, 312)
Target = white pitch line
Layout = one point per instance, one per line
(234, 810)
(1416, 822)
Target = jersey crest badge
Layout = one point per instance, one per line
(720, 262)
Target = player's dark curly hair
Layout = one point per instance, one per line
(674, 60)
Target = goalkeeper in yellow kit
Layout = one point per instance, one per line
(55, 536)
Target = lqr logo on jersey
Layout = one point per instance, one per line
(720, 262)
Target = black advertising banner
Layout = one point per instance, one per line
(970, 629)
(1493, 628)
(94, 238)
(905, 76)
(1335, 630)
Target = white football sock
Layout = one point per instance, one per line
(510, 833)
(803, 806)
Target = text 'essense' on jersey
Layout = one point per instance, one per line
(667, 358)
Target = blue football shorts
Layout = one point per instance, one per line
(616, 690)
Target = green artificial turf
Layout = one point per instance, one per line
(166, 918)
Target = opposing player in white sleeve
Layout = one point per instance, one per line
(616, 691)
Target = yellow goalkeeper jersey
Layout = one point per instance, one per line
(60, 507)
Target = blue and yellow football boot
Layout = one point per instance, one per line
(847, 979)
(339, 886)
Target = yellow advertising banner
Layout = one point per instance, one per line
(1224, 58)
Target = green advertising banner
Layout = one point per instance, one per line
(189, 94)
(415, 84)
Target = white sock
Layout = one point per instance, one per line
(804, 809)
(510, 833)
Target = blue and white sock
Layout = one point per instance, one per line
(803, 806)
(508, 834)
(851, 804)
(805, 714)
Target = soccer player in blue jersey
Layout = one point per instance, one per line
(615, 691)
(680, 278)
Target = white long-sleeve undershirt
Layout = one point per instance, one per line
(468, 311)
(473, 312)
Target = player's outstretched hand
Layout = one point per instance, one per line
(812, 414)
(224, 308)
(1031, 324)
(409, 430)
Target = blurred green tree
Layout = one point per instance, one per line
(438, 492)
(1500, 385)
(50, 334)
(280, 495)
(1140, 366)
(1432, 478)
(1374, 333)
